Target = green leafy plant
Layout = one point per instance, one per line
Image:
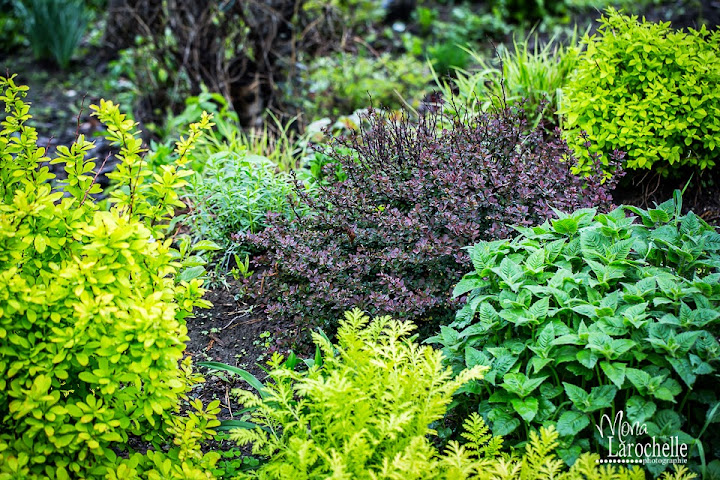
(647, 90)
(11, 26)
(363, 411)
(233, 194)
(54, 27)
(590, 314)
(92, 312)
(274, 140)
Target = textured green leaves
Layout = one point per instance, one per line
(605, 317)
(572, 422)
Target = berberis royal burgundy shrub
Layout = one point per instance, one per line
(388, 238)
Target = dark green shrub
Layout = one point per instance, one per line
(364, 413)
(92, 309)
(528, 11)
(11, 26)
(592, 314)
(647, 90)
(54, 28)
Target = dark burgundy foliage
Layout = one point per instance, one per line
(389, 238)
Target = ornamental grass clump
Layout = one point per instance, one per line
(92, 309)
(387, 238)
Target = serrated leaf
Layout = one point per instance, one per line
(536, 261)
(601, 397)
(475, 357)
(565, 226)
(571, 423)
(527, 408)
(502, 422)
(587, 358)
(614, 371)
(639, 409)
(467, 284)
(577, 395)
(684, 370)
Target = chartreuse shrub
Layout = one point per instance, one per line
(592, 314)
(92, 309)
(386, 235)
(364, 412)
(648, 90)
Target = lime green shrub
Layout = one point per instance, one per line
(364, 412)
(92, 308)
(650, 91)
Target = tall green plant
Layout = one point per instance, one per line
(234, 193)
(532, 77)
(588, 315)
(54, 27)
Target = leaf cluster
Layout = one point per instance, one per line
(342, 83)
(590, 314)
(388, 236)
(92, 308)
(532, 77)
(233, 194)
(648, 90)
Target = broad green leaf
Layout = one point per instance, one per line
(615, 372)
(191, 273)
(601, 397)
(536, 261)
(468, 283)
(527, 408)
(577, 395)
(565, 226)
(571, 423)
(587, 358)
(684, 370)
(204, 245)
(639, 409)
(502, 422)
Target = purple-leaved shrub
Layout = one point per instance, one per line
(389, 238)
